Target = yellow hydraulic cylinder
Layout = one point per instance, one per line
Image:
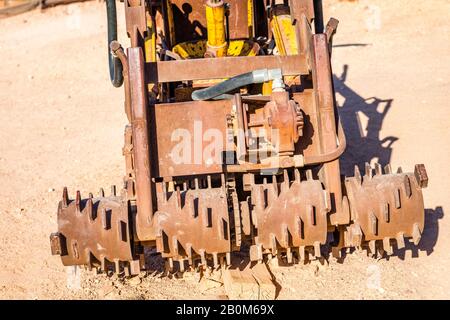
(215, 19)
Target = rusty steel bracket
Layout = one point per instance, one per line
(136, 23)
(141, 150)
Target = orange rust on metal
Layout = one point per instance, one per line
(189, 128)
(193, 224)
(322, 79)
(290, 214)
(250, 170)
(226, 67)
(141, 150)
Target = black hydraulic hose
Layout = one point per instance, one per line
(115, 66)
(245, 79)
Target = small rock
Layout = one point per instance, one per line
(30, 77)
(135, 281)
(51, 189)
(208, 284)
(105, 290)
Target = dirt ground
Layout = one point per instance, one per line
(62, 125)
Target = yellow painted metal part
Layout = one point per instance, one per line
(170, 22)
(250, 18)
(285, 39)
(215, 20)
(150, 40)
(197, 49)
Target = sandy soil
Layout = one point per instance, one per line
(62, 124)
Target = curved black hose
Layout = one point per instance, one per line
(224, 87)
(242, 80)
(115, 66)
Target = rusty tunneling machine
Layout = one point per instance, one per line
(233, 145)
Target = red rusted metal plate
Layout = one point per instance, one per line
(191, 127)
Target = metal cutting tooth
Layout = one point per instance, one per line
(289, 255)
(357, 175)
(388, 169)
(368, 171)
(417, 234)
(317, 249)
(78, 201)
(387, 246)
(400, 240)
(309, 174)
(378, 169)
(65, 198)
(301, 253)
(89, 209)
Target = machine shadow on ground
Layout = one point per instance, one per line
(364, 144)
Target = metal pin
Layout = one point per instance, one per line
(65, 198)
(417, 234)
(378, 169)
(273, 240)
(309, 175)
(78, 201)
(89, 211)
(113, 190)
(171, 264)
(285, 180)
(387, 246)
(202, 257)
(103, 263)
(215, 260)
(297, 175)
(289, 255)
(400, 240)
(388, 169)
(368, 169)
(117, 265)
(301, 253)
(373, 247)
(228, 257)
(317, 249)
(175, 246)
(208, 180)
(358, 175)
(196, 183)
(275, 186)
(181, 264)
(189, 253)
